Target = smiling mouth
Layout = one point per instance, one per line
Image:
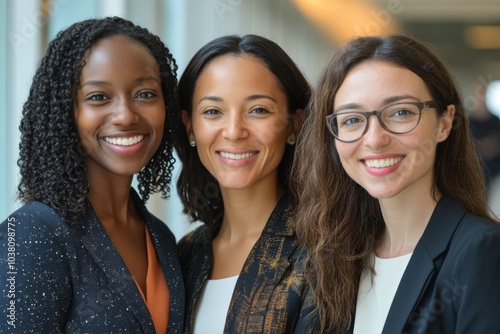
(124, 141)
(233, 156)
(382, 163)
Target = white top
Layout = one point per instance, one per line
(375, 300)
(210, 316)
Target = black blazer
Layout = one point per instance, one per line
(271, 294)
(56, 279)
(452, 282)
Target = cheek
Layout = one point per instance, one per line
(424, 152)
(279, 126)
(347, 158)
(205, 134)
(344, 150)
(274, 132)
(159, 123)
(84, 122)
(273, 137)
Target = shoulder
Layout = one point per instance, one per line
(196, 237)
(36, 210)
(474, 248)
(470, 274)
(38, 242)
(39, 237)
(36, 228)
(451, 227)
(36, 219)
(475, 230)
(192, 242)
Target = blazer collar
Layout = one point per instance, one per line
(273, 249)
(435, 240)
(276, 226)
(97, 242)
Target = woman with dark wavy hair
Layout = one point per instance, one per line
(241, 100)
(84, 254)
(392, 207)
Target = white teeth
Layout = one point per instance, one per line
(236, 156)
(381, 163)
(124, 141)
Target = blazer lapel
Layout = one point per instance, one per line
(412, 284)
(256, 281)
(99, 245)
(273, 249)
(434, 241)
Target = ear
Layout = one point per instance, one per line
(186, 120)
(446, 123)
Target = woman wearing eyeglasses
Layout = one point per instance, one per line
(392, 197)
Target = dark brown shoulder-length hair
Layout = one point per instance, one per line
(198, 189)
(336, 218)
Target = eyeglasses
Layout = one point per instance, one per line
(398, 118)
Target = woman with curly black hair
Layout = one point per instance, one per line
(84, 254)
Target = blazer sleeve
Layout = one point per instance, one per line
(475, 285)
(34, 271)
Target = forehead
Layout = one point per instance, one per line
(120, 54)
(239, 72)
(373, 81)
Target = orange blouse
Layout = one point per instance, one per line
(157, 297)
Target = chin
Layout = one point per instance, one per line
(381, 193)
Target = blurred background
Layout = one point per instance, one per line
(465, 34)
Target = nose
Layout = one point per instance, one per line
(235, 127)
(375, 135)
(124, 113)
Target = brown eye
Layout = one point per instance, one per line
(97, 97)
(146, 95)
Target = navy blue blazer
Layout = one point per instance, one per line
(452, 282)
(57, 279)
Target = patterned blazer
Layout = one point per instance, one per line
(55, 279)
(271, 294)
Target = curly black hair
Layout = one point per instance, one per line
(51, 156)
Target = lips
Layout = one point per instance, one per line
(237, 156)
(124, 141)
(382, 163)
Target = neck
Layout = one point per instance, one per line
(110, 197)
(246, 211)
(406, 216)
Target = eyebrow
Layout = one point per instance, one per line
(386, 101)
(249, 98)
(106, 83)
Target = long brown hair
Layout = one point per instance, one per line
(336, 218)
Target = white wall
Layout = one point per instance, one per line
(21, 34)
